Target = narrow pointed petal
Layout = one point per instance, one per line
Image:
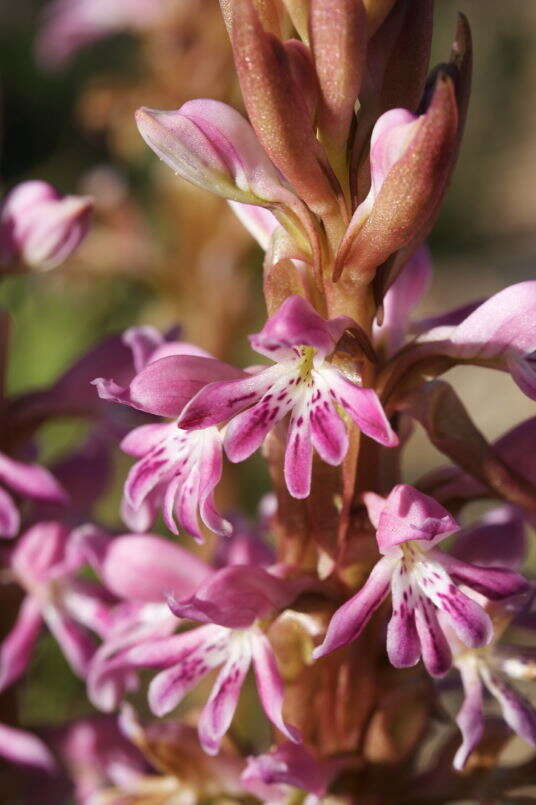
(21, 746)
(349, 620)
(168, 687)
(470, 622)
(328, 431)
(517, 711)
(470, 718)
(299, 453)
(220, 401)
(403, 646)
(362, 406)
(435, 650)
(270, 684)
(73, 639)
(16, 649)
(221, 705)
(31, 480)
(493, 582)
(210, 472)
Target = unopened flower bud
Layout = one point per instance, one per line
(39, 228)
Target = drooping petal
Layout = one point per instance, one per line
(470, 622)
(493, 582)
(470, 718)
(403, 646)
(362, 406)
(31, 480)
(16, 649)
(435, 649)
(73, 639)
(297, 324)
(168, 687)
(299, 452)
(517, 711)
(210, 471)
(270, 684)
(221, 705)
(350, 619)
(21, 746)
(148, 568)
(328, 431)
(410, 515)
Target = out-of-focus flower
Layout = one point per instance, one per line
(422, 581)
(69, 25)
(301, 383)
(25, 748)
(39, 228)
(272, 776)
(44, 562)
(28, 481)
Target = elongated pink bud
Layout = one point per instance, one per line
(39, 228)
(338, 40)
(278, 111)
(413, 160)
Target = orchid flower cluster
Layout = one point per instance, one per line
(338, 171)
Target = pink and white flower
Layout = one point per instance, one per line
(423, 581)
(229, 604)
(301, 383)
(40, 228)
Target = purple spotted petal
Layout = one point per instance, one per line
(435, 649)
(9, 516)
(17, 647)
(470, 718)
(493, 582)
(140, 440)
(470, 622)
(221, 705)
(362, 406)
(299, 453)
(403, 646)
(218, 402)
(410, 515)
(270, 684)
(328, 432)
(517, 711)
(297, 324)
(168, 687)
(350, 619)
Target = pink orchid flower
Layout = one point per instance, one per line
(29, 481)
(301, 383)
(39, 227)
(177, 470)
(422, 580)
(229, 604)
(44, 563)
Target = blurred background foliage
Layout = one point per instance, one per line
(162, 252)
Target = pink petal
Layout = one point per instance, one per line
(259, 222)
(351, 618)
(497, 540)
(218, 402)
(470, 718)
(143, 439)
(17, 647)
(270, 684)
(435, 649)
(493, 582)
(9, 516)
(362, 406)
(299, 453)
(73, 639)
(410, 515)
(168, 687)
(403, 646)
(221, 705)
(288, 765)
(148, 568)
(142, 341)
(517, 711)
(328, 432)
(31, 480)
(39, 550)
(20, 746)
(297, 324)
